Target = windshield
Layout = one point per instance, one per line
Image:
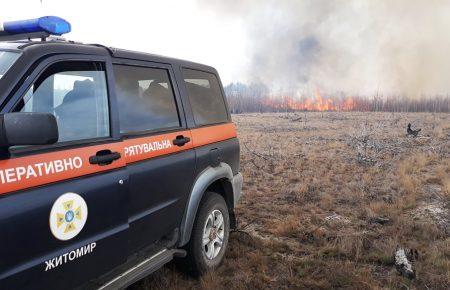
(7, 58)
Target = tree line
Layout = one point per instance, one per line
(244, 98)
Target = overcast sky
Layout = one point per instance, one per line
(357, 47)
(181, 29)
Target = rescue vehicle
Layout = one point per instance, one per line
(112, 162)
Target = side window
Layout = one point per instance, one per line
(205, 97)
(76, 93)
(146, 99)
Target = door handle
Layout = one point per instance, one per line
(180, 140)
(104, 157)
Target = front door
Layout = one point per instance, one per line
(63, 213)
(158, 150)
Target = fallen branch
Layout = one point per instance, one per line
(256, 154)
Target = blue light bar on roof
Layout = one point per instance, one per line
(51, 25)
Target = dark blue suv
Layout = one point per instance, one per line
(112, 162)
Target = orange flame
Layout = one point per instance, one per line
(317, 103)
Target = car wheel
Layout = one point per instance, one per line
(209, 238)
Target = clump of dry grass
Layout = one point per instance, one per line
(409, 172)
(286, 227)
(319, 217)
(446, 184)
(443, 176)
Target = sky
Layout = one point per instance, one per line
(353, 47)
(182, 29)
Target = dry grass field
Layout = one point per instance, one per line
(328, 197)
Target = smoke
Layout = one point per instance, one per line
(361, 47)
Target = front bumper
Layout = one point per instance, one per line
(237, 187)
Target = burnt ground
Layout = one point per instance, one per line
(328, 197)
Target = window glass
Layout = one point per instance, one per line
(76, 93)
(7, 59)
(205, 97)
(146, 100)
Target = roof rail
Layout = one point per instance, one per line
(24, 36)
(111, 50)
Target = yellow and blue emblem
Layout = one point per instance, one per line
(68, 216)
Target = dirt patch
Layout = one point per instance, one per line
(437, 212)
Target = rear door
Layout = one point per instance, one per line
(215, 138)
(63, 215)
(158, 149)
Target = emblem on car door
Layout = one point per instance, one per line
(68, 216)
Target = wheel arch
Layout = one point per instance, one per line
(217, 179)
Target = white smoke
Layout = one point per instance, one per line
(366, 47)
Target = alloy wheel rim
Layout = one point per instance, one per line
(213, 234)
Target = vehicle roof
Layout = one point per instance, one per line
(63, 46)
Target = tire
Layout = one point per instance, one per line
(203, 258)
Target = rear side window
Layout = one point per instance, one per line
(205, 97)
(76, 93)
(146, 99)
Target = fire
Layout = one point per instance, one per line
(316, 103)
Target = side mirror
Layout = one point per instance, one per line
(27, 129)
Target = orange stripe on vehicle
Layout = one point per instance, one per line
(138, 149)
(36, 170)
(26, 172)
(207, 135)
